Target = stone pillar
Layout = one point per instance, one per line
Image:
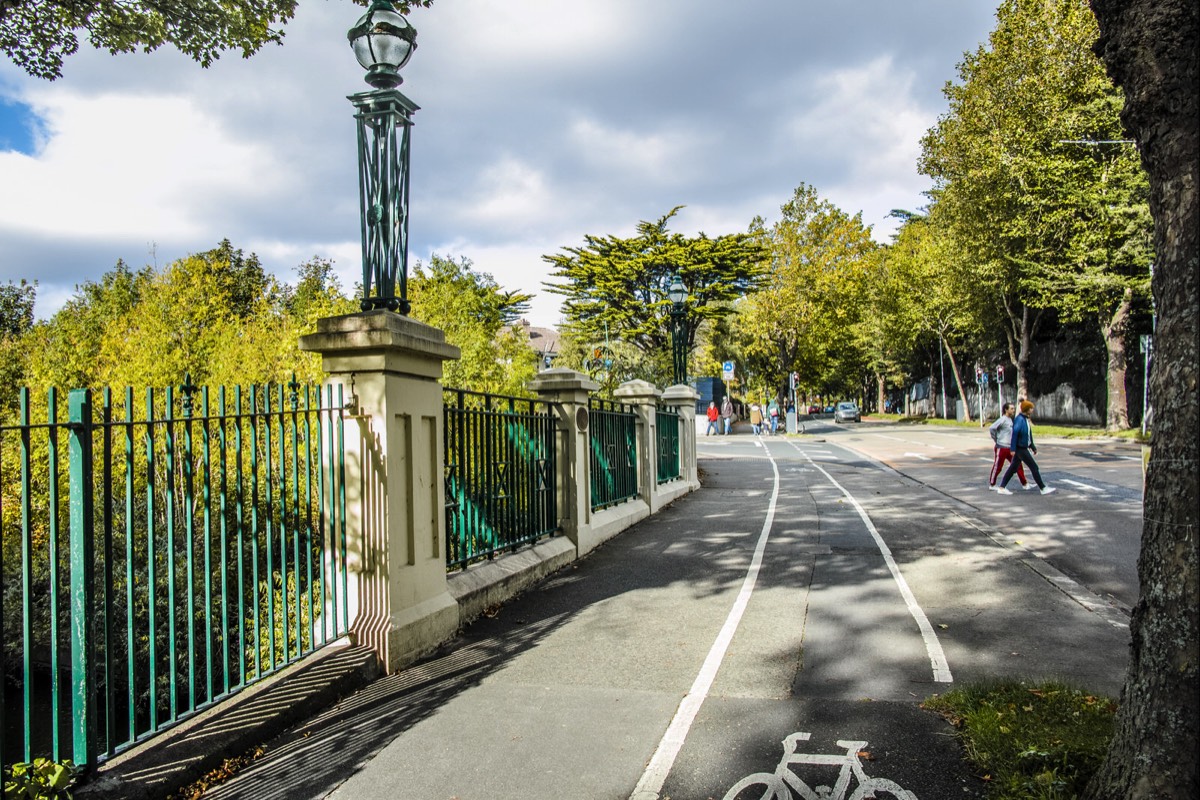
(390, 368)
(567, 392)
(683, 399)
(643, 396)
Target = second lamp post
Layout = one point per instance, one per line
(677, 293)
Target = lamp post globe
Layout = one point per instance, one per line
(383, 42)
(677, 293)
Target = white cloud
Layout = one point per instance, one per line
(114, 165)
(541, 121)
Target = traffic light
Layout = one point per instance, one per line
(1000, 374)
(979, 375)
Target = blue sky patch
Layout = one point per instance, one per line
(17, 125)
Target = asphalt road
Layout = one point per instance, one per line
(810, 595)
(1090, 528)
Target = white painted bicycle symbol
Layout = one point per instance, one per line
(780, 784)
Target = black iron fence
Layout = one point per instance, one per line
(500, 472)
(158, 556)
(667, 423)
(613, 451)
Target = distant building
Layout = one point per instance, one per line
(544, 342)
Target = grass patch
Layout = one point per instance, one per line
(1030, 742)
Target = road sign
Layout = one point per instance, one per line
(727, 370)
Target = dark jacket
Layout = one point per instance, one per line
(1022, 434)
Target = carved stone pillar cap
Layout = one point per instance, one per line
(561, 379)
(638, 391)
(680, 395)
(377, 331)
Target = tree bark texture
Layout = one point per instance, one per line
(1114, 329)
(1150, 50)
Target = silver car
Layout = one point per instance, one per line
(846, 412)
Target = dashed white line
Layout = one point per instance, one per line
(937, 658)
(1082, 485)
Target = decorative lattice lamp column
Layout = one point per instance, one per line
(383, 41)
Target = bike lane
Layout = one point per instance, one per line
(829, 650)
(858, 673)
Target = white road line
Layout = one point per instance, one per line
(668, 748)
(937, 658)
(918, 455)
(1082, 485)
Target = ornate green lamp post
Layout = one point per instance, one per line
(677, 293)
(383, 41)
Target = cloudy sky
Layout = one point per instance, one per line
(540, 121)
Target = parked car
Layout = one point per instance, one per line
(847, 411)
(814, 409)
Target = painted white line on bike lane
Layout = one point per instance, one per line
(937, 658)
(660, 765)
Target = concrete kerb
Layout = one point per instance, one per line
(482, 586)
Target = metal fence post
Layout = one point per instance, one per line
(82, 550)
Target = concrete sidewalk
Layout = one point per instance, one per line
(566, 691)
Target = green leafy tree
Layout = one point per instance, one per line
(1048, 221)
(616, 288)
(806, 315)
(478, 317)
(16, 319)
(933, 295)
(16, 307)
(39, 35)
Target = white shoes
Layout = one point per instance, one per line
(1029, 486)
(1049, 490)
(1003, 490)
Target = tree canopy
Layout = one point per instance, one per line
(616, 288)
(1036, 183)
(480, 319)
(805, 316)
(38, 35)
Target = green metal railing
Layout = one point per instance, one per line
(667, 422)
(202, 547)
(613, 434)
(500, 473)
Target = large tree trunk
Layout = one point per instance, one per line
(880, 388)
(1022, 325)
(1149, 47)
(1113, 330)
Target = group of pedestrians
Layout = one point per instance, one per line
(763, 419)
(722, 417)
(1012, 435)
